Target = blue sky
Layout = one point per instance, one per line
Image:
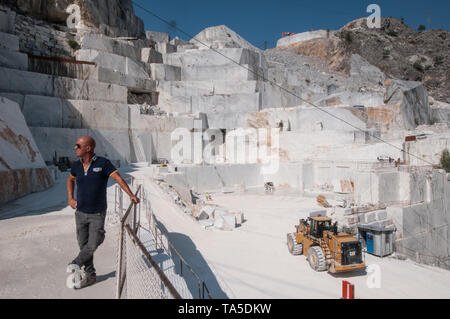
(265, 20)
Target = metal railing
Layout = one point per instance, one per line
(138, 275)
(184, 269)
(118, 196)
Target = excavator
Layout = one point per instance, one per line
(325, 247)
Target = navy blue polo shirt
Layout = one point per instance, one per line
(92, 180)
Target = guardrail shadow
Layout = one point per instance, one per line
(194, 258)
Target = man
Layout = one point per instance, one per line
(91, 174)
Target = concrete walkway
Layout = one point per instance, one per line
(36, 247)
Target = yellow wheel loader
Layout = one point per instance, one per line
(326, 249)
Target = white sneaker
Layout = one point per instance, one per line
(72, 268)
(75, 278)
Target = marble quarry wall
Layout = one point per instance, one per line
(22, 168)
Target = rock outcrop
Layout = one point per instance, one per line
(395, 48)
(403, 53)
(220, 37)
(111, 17)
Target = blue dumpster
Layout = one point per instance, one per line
(379, 241)
(369, 243)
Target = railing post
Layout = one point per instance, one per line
(181, 267)
(121, 201)
(140, 204)
(203, 290)
(119, 266)
(134, 218)
(156, 237)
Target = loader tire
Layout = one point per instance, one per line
(316, 259)
(294, 247)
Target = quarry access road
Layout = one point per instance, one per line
(253, 261)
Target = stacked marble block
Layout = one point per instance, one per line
(91, 99)
(377, 218)
(219, 218)
(221, 81)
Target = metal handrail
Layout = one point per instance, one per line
(201, 284)
(118, 194)
(124, 218)
(158, 270)
(120, 279)
(132, 231)
(134, 228)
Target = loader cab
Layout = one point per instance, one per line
(318, 225)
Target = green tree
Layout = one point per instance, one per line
(348, 36)
(73, 44)
(421, 28)
(418, 66)
(445, 160)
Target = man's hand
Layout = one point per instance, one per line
(73, 203)
(134, 199)
(119, 180)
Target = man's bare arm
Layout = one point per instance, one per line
(116, 176)
(70, 189)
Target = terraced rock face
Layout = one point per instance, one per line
(111, 17)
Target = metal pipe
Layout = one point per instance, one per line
(124, 218)
(119, 265)
(156, 237)
(134, 218)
